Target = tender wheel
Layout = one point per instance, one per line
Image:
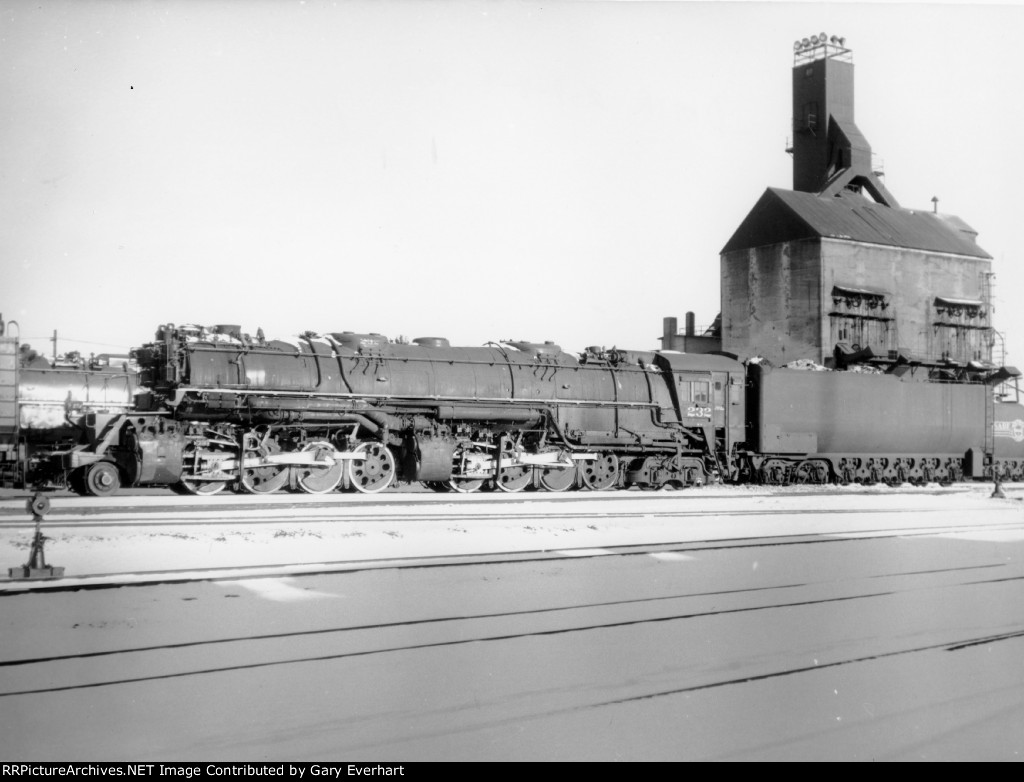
(203, 488)
(320, 480)
(802, 473)
(556, 478)
(775, 472)
(600, 474)
(374, 473)
(811, 472)
(102, 479)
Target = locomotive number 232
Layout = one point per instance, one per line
(696, 411)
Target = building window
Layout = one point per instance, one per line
(861, 301)
(809, 120)
(960, 311)
(863, 318)
(960, 330)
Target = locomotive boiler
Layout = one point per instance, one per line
(358, 410)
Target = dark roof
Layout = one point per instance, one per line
(786, 215)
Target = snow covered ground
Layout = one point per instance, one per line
(158, 531)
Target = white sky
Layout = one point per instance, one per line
(474, 170)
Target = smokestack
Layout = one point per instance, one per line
(669, 328)
(690, 324)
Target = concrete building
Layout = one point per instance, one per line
(835, 269)
(804, 274)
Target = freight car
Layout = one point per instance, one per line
(221, 409)
(42, 403)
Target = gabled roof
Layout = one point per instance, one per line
(787, 215)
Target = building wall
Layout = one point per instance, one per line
(913, 279)
(780, 302)
(771, 301)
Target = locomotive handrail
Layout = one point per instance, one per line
(545, 360)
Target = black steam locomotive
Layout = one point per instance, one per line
(222, 409)
(357, 410)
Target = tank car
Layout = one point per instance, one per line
(912, 424)
(360, 411)
(43, 405)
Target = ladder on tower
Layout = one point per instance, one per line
(990, 430)
(995, 340)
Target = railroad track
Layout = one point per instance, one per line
(116, 580)
(569, 617)
(613, 616)
(673, 624)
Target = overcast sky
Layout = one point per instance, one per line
(472, 170)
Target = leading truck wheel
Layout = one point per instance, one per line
(102, 480)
